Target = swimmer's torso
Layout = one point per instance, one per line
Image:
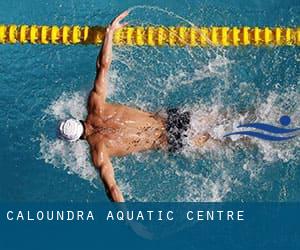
(124, 130)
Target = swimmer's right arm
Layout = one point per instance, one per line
(105, 56)
(103, 164)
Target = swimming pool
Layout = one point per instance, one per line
(42, 84)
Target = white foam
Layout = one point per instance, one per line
(68, 105)
(174, 182)
(72, 157)
(216, 121)
(214, 118)
(271, 110)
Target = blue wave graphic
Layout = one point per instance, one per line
(284, 121)
(269, 128)
(262, 136)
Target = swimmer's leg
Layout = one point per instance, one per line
(200, 141)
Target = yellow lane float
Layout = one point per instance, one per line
(152, 35)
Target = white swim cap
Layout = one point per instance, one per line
(70, 130)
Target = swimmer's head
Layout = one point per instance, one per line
(70, 130)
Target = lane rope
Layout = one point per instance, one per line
(152, 35)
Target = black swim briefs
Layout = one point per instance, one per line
(177, 124)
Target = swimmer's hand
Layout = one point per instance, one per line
(115, 24)
(105, 57)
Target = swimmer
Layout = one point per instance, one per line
(114, 130)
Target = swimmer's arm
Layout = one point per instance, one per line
(103, 164)
(102, 65)
(105, 56)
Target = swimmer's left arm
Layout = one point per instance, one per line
(105, 56)
(103, 164)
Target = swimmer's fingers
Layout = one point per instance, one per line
(115, 24)
(122, 16)
(122, 25)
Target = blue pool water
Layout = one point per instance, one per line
(42, 84)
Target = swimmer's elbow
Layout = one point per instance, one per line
(99, 163)
(105, 63)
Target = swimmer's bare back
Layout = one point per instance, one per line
(123, 130)
(113, 129)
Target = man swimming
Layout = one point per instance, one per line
(117, 130)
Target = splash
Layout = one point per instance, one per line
(217, 86)
(192, 184)
(68, 105)
(217, 120)
(74, 157)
